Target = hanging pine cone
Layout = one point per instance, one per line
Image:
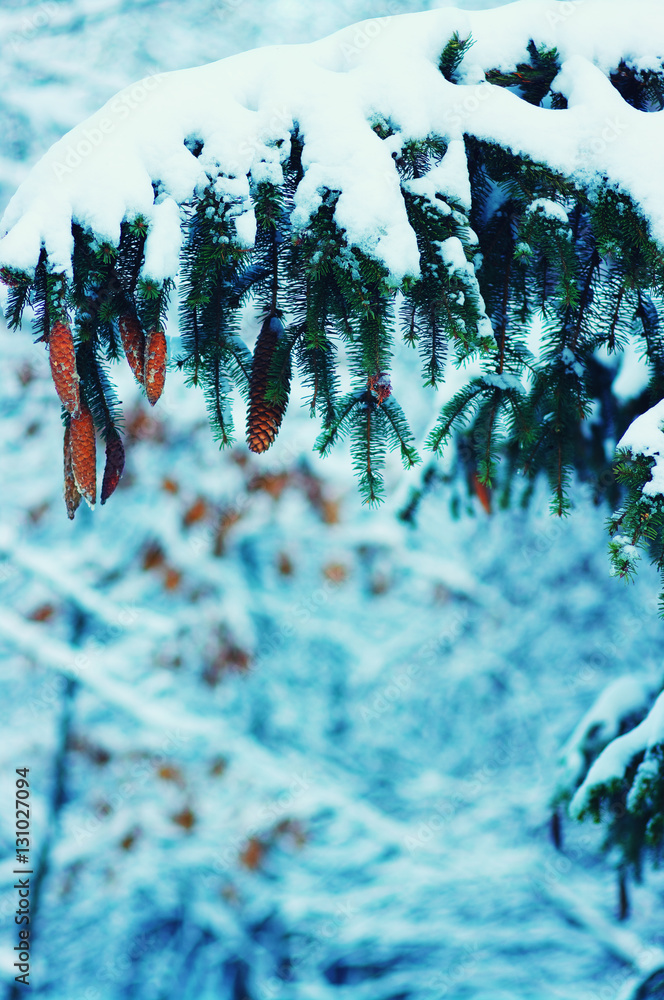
(115, 460)
(481, 491)
(133, 343)
(155, 365)
(63, 366)
(380, 385)
(71, 492)
(264, 418)
(84, 455)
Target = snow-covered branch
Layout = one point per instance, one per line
(170, 134)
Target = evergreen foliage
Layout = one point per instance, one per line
(452, 56)
(534, 249)
(627, 796)
(541, 279)
(532, 80)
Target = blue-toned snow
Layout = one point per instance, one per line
(366, 713)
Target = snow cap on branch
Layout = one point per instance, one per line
(645, 436)
(242, 111)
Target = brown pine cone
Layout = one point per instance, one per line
(84, 454)
(155, 365)
(481, 491)
(133, 342)
(264, 418)
(115, 460)
(71, 493)
(63, 366)
(380, 386)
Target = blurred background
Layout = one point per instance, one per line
(281, 746)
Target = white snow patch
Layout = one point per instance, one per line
(504, 380)
(549, 208)
(618, 755)
(245, 228)
(623, 697)
(633, 376)
(453, 256)
(568, 359)
(447, 179)
(645, 436)
(162, 246)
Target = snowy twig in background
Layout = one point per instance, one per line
(624, 944)
(74, 589)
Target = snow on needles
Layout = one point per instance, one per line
(624, 697)
(614, 760)
(244, 109)
(645, 436)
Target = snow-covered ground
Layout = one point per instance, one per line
(304, 750)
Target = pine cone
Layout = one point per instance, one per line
(380, 386)
(133, 343)
(83, 454)
(264, 418)
(71, 493)
(63, 366)
(115, 460)
(155, 365)
(481, 491)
